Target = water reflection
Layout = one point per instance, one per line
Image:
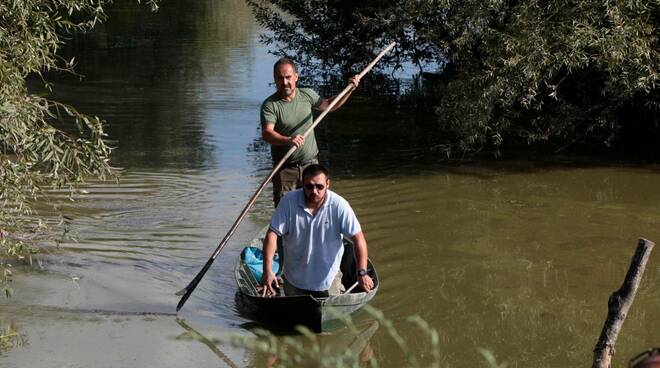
(96, 339)
(170, 84)
(527, 252)
(195, 335)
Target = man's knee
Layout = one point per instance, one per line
(284, 181)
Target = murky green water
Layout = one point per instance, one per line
(515, 257)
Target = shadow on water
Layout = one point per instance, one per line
(195, 335)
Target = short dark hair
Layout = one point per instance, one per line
(285, 61)
(315, 169)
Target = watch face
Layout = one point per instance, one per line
(362, 272)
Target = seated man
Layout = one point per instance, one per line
(311, 222)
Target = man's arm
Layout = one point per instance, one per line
(362, 255)
(355, 80)
(268, 278)
(269, 134)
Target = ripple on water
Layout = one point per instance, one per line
(158, 225)
(162, 226)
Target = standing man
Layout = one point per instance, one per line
(285, 115)
(311, 222)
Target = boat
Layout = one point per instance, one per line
(319, 314)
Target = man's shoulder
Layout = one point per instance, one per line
(307, 90)
(291, 198)
(336, 200)
(270, 100)
(308, 94)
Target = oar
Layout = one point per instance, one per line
(193, 284)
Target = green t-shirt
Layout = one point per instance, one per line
(291, 118)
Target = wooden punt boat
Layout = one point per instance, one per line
(317, 314)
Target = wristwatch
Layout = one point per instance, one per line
(362, 272)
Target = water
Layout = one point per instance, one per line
(517, 257)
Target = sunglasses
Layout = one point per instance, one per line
(318, 187)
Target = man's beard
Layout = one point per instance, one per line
(311, 198)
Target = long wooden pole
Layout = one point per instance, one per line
(193, 284)
(619, 304)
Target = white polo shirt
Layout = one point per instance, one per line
(313, 243)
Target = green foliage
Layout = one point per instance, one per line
(354, 349)
(11, 338)
(44, 145)
(289, 351)
(6, 280)
(526, 71)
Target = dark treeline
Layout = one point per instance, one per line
(503, 74)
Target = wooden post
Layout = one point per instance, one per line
(619, 304)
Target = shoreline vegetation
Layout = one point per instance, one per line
(501, 73)
(46, 145)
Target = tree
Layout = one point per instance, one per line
(557, 72)
(44, 144)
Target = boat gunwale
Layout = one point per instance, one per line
(241, 266)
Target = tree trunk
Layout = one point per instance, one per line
(619, 304)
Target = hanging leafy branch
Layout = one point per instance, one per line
(44, 144)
